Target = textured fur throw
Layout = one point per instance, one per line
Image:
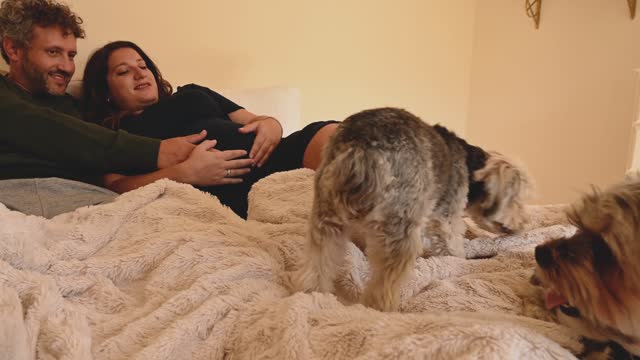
(166, 272)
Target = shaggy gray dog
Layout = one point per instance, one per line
(398, 187)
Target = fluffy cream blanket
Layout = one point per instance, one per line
(166, 272)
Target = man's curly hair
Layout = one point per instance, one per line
(18, 17)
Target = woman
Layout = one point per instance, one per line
(125, 89)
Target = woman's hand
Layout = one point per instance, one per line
(268, 135)
(208, 166)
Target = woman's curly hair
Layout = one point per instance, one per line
(18, 17)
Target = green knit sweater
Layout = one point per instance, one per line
(43, 136)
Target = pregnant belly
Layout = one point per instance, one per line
(225, 132)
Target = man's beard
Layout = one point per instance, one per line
(39, 80)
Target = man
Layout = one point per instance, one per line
(41, 135)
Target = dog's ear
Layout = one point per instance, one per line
(590, 214)
(505, 181)
(604, 261)
(596, 221)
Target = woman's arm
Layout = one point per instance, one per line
(243, 116)
(123, 183)
(268, 133)
(267, 129)
(205, 166)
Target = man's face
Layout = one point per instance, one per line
(46, 64)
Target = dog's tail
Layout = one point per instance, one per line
(355, 178)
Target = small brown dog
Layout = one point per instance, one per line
(592, 279)
(397, 188)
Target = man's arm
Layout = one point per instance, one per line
(175, 150)
(71, 142)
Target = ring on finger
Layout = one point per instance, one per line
(228, 173)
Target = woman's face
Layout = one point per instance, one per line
(132, 86)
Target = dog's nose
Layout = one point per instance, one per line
(544, 258)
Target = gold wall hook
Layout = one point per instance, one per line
(632, 8)
(533, 10)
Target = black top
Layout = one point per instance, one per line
(194, 108)
(190, 110)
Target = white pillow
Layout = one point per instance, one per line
(283, 103)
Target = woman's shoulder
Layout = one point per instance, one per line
(195, 88)
(188, 103)
(192, 86)
(199, 89)
(192, 95)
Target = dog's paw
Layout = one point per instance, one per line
(306, 280)
(380, 300)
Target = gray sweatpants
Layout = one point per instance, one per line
(49, 197)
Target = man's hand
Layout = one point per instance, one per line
(268, 135)
(207, 166)
(176, 150)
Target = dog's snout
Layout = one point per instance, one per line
(544, 257)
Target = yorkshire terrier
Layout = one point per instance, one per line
(592, 279)
(398, 188)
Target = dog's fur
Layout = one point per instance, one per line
(593, 278)
(398, 188)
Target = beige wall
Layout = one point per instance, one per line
(560, 97)
(344, 56)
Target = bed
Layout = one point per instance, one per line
(167, 272)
